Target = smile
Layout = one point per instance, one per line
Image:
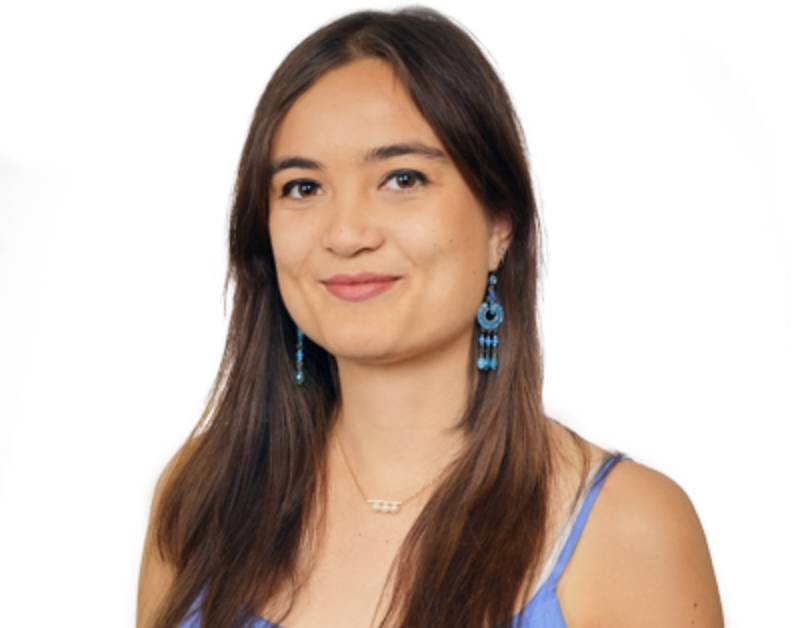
(360, 291)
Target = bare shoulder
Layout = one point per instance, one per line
(643, 559)
(155, 575)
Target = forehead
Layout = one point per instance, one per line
(349, 108)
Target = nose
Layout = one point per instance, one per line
(353, 224)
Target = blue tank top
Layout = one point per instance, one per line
(543, 610)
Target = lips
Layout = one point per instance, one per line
(360, 286)
(358, 278)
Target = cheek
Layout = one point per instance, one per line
(289, 245)
(289, 250)
(451, 227)
(461, 238)
(451, 248)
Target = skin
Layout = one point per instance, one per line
(403, 355)
(642, 559)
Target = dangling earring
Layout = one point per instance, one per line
(298, 357)
(490, 315)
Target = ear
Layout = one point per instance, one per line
(499, 240)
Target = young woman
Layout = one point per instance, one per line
(375, 451)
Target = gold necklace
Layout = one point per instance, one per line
(382, 505)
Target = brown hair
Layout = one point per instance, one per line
(236, 507)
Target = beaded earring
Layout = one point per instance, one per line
(299, 377)
(490, 315)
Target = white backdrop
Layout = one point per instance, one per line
(663, 139)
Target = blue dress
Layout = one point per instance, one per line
(543, 610)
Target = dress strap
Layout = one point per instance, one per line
(583, 514)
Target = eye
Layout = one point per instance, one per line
(407, 178)
(302, 184)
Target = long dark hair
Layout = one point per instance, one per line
(236, 505)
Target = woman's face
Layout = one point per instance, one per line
(404, 214)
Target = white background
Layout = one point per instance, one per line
(663, 139)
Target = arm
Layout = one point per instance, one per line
(155, 576)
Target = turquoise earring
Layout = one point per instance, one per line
(490, 315)
(299, 377)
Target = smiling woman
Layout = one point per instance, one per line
(376, 452)
(431, 233)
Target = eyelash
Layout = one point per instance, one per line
(415, 174)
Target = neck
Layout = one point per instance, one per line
(396, 423)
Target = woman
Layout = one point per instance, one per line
(375, 451)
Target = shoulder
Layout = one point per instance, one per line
(155, 574)
(646, 554)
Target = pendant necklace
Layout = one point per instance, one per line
(382, 505)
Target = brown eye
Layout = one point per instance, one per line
(303, 186)
(407, 179)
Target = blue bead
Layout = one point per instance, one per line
(299, 377)
(494, 364)
(481, 363)
(299, 354)
(492, 279)
(486, 309)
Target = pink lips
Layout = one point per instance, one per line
(360, 286)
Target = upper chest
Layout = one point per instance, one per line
(347, 575)
(348, 569)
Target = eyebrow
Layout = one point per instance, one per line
(378, 153)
